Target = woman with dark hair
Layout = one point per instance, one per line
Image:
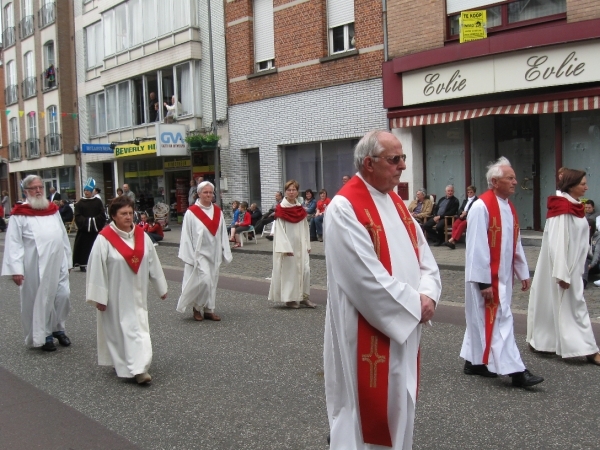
(122, 261)
(558, 320)
(309, 204)
(290, 281)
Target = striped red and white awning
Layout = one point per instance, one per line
(553, 106)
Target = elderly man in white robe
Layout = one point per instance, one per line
(37, 254)
(558, 320)
(203, 247)
(383, 283)
(493, 258)
(121, 262)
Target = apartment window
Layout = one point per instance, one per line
(264, 42)
(14, 146)
(8, 31)
(29, 83)
(32, 143)
(47, 13)
(11, 92)
(49, 74)
(135, 13)
(506, 14)
(26, 18)
(118, 106)
(149, 14)
(93, 45)
(97, 113)
(340, 22)
(53, 137)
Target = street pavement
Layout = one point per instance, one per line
(255, 380)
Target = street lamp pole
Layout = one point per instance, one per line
(213, 126)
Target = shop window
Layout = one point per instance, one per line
(66, 180)
(506, 14)
(93, 45)
(340, 23)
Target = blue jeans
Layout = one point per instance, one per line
(316, 226)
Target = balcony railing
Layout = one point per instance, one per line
(49, 78)
(11, 94)
(53, 144)
(26, 26)
(47, 14)
(33, 148)
(14, 151)
(29, 87)
(8, 37)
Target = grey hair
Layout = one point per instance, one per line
(368, 146)
(204, 183)
(449, 186)
(422, 190)
(494, 170)
(28, 180)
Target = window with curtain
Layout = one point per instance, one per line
(108, 19)
(122, 38)
(8, 16)
(52, 115)
(112, 118)
(165, 17)
(118, 106)
(149, 17)
(182, 14)
(26, 8)
(49, 58)
(11, 73)
(93, 45)
(32, 125)
(13, 129)
(136, 23)
(340, 22)
(264, 37)
(185, 95)
(124, 100)
(29, 65)
(92, 115)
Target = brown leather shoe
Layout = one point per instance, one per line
(212, 316)
(594, 359)
(197, 315)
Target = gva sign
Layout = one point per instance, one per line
(171, 140)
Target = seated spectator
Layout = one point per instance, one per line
(66, 212)
(143, 223)
(255, 213)
(421, 207)
(243, 224)
(447, 206)
(460, 220)
(316, 224)
(269, 216)
(235, 210)
(155, 231)
(309, 204)
(590, 211)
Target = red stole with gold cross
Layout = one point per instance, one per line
(495, 244)
(373, 347)
(211, 225)
(132, 256)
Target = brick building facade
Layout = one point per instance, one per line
(298, 114)
(530, 91)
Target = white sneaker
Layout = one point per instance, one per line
(597, 283)
(155, 244)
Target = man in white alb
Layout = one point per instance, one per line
(383, 283)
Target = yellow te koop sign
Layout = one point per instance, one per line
(473, 26)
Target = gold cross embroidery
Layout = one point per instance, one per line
(373, 359)
(407, 223)
(489, 304)
(135, 260)
(516, 230)
(374, 232)
(494, 229)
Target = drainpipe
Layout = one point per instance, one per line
(214, 108)
(385, 34)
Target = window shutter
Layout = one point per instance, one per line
(264, 36)
(454, 6)
(340, 12)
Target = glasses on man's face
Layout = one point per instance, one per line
(35, 188)
(393, 160)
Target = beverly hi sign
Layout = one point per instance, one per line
(527, 69)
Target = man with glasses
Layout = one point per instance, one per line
(383, 283)
(37, 254)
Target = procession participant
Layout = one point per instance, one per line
(383, 282)
(290, 280)
(558, 320)
(90, 218)
(204, 245)
(37, 254)
(122, 260)
(493, 258)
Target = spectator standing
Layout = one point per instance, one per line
(37, 254)
(558, 320)
(152, 107)
(121, 263)
(590, 211)
(173, 110)
(53, 194)
(128, 193)
(290, 280)
(447, 206)
(592, 263)
(66, 212)
(316, 224)
(119, 192)
(193, 192)
(421, 207)
(90, 218)
(5, 203)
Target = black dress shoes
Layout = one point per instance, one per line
(450, 245)
(438, 243)
(48, 347)
(63, 339)
(82, 269)
(478, 369)
(525, 379)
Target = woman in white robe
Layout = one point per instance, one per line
(120, 294)
(290, 280)
(558, 320)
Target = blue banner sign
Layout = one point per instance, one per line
(96, 148)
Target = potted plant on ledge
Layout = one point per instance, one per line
(199, 142)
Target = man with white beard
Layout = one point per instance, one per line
(37, 255)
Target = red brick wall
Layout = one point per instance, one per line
(300, 37)
(578, 10)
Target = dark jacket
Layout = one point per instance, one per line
(256, 215)
(66, 213)
(451, 208)
(464, 205)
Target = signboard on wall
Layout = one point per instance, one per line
(96, 148)
(527, 69)
(143, 148)
(473, 25)
(170, 140)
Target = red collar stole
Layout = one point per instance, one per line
(560, 205)
(211, 225)
(132, 256)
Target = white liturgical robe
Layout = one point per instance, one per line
(38, 248)
(558, 319)
(357, 282)
(202, 254)
(290, 280)
(123, 330)
(504, 354)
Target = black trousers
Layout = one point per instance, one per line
(435, 230)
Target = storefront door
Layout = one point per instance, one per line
(517, 139)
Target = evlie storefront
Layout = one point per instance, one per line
(534, 100)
